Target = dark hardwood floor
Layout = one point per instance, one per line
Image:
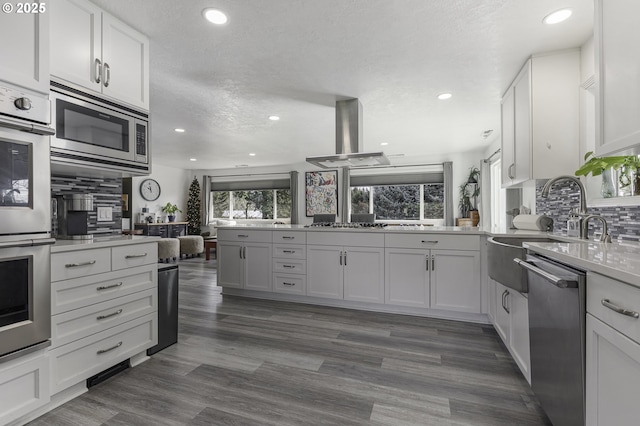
(252, 362)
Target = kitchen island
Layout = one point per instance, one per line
(417, 270)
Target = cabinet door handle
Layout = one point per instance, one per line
(133, 256)
(510, 171)
(98, 70)
(241, 252)
(429, 241)
(244, 252)
(107, 287)
(607, 303)
(433, 262)
(290, 284)
(75, 265)
(107, 74)
(345, 258)
(288, 238)
(427, 262)
(505, 300)
(341, 258)
(104, 351)
(113, 314)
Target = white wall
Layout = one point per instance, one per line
(174, 189)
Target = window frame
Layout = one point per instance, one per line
(241, 220)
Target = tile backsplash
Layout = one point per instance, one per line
(623, 222)
(107, 192)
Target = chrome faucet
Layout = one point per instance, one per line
(583, 195)
(584, 231)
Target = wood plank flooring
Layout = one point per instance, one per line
(252, 362)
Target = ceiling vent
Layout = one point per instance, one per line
(349, 141)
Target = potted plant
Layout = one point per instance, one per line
(629, 166)
(470, 190)
(170, 210)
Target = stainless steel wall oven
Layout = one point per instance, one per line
(25, 222)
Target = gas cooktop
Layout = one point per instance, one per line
(356, 225)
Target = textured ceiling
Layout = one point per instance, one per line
(295, 58)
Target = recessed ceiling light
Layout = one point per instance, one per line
(193, 159)
(252, 154)
(274, 118)
(443, 96)
(384, 143)
(557, 16)
(215, 16)
(179, 130)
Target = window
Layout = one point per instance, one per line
(498, 197)
(416, 195)
(251, 204)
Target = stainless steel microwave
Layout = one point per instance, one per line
(95, 132)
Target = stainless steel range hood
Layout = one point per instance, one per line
(349, 141)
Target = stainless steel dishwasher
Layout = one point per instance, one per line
(557, 338)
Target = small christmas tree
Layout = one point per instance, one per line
(193, 208)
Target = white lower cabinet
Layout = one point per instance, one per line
(511, 321)
(24, 386)
(437, 279)
(345, 272)
(244, 265)
(101, 315)
(613, 352)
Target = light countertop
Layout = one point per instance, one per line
(99, 242)
(620, 261)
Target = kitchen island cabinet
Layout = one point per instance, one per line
(244, 259)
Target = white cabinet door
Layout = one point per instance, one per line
(502, 320)
(508, 159)
(257, 266)
(24, 43)
(24, 386)
(230, 264)
(125, 57)
(407, 277)
(491, 300)
(522, 155)
(519, 332)
(325, 271)
(76, 42)
(612, 373)
(617, 35)
(364, 274)
(455, 280)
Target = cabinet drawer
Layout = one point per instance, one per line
(290, 266)
(358, 239)
(134, 255)
(80, 263)
(79, 360)
(619, 294)
(290, 251)
(293, 237)
(81, 292)
(433, 241)
(285, 283)
(244, 235)
(83, 322)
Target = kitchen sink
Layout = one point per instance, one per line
(500, 254)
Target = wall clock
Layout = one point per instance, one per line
(150, 189)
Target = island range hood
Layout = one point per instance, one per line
(349, 141)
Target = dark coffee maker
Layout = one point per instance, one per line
(73, 216)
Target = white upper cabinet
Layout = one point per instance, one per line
(24, 44)
(94, 50)
(617, 38)
(540, 119)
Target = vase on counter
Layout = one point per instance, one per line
(608, 187)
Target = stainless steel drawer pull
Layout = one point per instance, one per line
(291, 284)
(133, 256)
(433, 263)
(98, 70)
(429, 241)
(288, 266)
(427, 262)
(607, 303)
(75, 265)
(345, 258)
(103, 351)
(289, 251)
(107, 74)
(107, 287)
(113, 314)
(288, 238)
(243, 236)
